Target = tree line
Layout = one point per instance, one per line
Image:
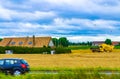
(81, 43)
(64, 42)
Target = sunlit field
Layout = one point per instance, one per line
(78, 59)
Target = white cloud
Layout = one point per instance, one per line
(37, 15)
(42, 8)
(86, 23)
(19, 27)
(8, 14)
(60, 25)
(93, 38)
(61, 17)
(5, 14)
(89, 6)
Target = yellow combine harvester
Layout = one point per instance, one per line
(103, 48)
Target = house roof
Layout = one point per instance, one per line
(26, 41)
(115, 43)
(100, 42)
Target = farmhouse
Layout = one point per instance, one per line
(96, 43)
(27, 41)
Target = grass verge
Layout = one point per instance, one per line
(73, 69)
(74, 74)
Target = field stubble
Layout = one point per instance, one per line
(78, 59)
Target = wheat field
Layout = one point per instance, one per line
(78, 59)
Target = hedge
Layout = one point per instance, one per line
(61, 50)
(32, 50)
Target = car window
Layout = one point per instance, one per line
(15, 61)
(7, 62)
(1, 62)
(10, 62)
(23, 61)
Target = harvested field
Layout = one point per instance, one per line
(78, 59)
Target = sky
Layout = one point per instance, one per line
(78, 20)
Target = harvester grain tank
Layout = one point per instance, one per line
(103, 48)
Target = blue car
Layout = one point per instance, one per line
(14, 66)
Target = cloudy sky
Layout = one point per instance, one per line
(78, 20)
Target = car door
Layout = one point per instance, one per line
(8, 64)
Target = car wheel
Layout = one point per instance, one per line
(17, 72)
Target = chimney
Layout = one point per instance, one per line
(33, 40)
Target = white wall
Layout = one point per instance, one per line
(51, 43)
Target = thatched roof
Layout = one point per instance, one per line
(26, 41)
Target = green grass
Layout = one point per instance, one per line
(73, 69)
(79, 47)
(117, 47)
(75, 74)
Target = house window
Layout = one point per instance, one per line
(30, 42)
(12, 43)
(20, 43)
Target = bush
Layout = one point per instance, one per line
(117, 47)
(2, 50)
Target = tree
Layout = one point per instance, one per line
(89, 43)
(0, 39)
(55, 41)
(108, 41)
(63, 42)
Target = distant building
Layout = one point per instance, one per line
(96, 43)
(27, 41)
(115, 43)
